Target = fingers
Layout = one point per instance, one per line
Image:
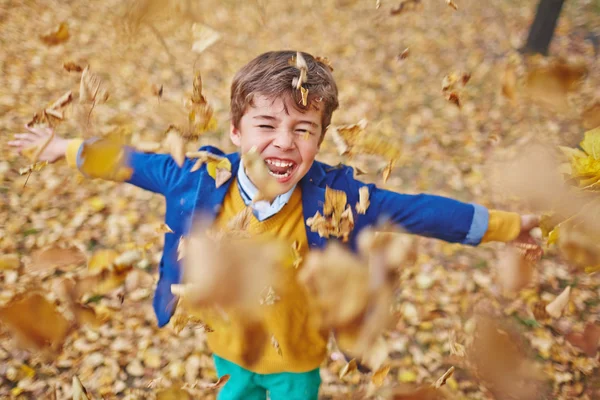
(39, 131)
(23, 140)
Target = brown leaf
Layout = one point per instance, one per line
(348, 368)
(91, 88)
(550, 84)
(56, 36)
(71, 66)
(453, 98)
(54, 257)
(509, 82)
(408, 392)
(157, 90)
(588, 341)
(514, 272)
(452, 4)
(404, 55)
(325, 61)
(220, 382)
(36, 320)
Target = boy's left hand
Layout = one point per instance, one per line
(525, 242)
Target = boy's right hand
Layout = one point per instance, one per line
(54, 151)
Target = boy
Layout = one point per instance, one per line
(269, 113)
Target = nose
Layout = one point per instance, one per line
(284, 140)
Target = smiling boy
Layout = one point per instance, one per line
(267, 114)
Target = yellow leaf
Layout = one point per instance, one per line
(91, 88)
(36, 320)
(348, 368)
(102, 260)
(57, 36)
(407, 376)
(591, 143)
(335, 202)
(379, 375)
(304, 93)
(79, 392)
(213, 165)
(204, 37)
(8, 262)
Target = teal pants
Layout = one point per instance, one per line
(247, 385)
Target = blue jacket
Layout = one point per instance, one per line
(190, 194)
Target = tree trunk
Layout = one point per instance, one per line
(542, 28)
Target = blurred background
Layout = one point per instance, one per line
(532, 76)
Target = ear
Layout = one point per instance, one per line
(235, 135)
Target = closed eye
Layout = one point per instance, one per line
(266, 127)
(303, 131)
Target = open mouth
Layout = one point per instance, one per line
(280, 169)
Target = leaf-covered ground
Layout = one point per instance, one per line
(446, 150)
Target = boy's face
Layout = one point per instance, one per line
(287, 139)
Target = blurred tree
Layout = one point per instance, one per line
(542, 28)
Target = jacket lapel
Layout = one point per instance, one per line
(313, 198)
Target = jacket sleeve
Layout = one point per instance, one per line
(443, 218)
(157, 173)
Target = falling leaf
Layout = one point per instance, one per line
(325, 61)
(222, 176)
(387, 171)
(453, 98)
(348, 368)
(588, 341)
(57, 36)
(36, 321)
(54, 257)
(239, 224)
(509, 82)
(71, 66)
(79, 392)
(270, 297)
(175, 144)
(379, 376)
(338, 220)
(91, 88)
(407, 5)
(304, 93)
(404, 55)
(220, 382)
(164, 228)
(181, 245)
(157, 90)
(514, 271)
(452, 4)
(203, 37)
(557, 306)
(258, 172)
(300, 64)
(297, 256)
(276, 346)
(550, 84)
(442, 380)
(101, 260)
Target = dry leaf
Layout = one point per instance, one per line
(36, 321)
(405, 53)
(591, 116)
(258, 172)
(222, 176)
(91, 88)
(442, 380)
(54, 257)
(588, 341)
(304, 93)
(348, 368)
(79, 392)
(453, 98)
(452, 4)
(157, 90)
(220, 382)
(300, 63)
(9, 262)
(550, 84)
(325, 61)
(71, 66)
(203, 37)
(407, 5)
(57, 36)
(514, 271)
(509, 82)
(164, 228)
(379, 376)
(557, 306)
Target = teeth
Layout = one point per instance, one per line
(278, 163)
(284, 175)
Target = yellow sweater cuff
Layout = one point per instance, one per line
(503, 226)
(71, 153)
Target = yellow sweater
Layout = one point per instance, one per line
(303, 347)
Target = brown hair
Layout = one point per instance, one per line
(271, 74)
